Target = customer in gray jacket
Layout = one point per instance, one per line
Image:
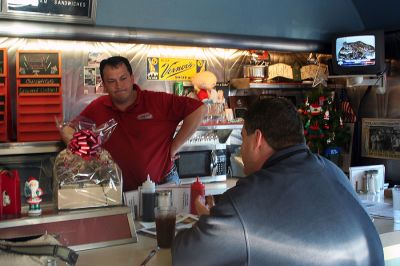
(293, 208)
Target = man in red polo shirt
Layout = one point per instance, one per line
(143, 142)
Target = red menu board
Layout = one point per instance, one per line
(39, 95)
(4, 97)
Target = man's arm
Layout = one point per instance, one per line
(201, 208)
(67, 133)
(189, 126)
(216, 239)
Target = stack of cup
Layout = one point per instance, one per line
(396, 204)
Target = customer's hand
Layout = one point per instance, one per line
(201, 208)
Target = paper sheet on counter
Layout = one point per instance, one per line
(183, 221)
(379, 209)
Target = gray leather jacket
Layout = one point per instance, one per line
(299, 209)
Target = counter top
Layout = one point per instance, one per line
(23, 148)
(134, 254)
(217, 188)
(129, 254)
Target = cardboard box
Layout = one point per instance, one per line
(72, 197)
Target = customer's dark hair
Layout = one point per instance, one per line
(278, 120)
(115, 61)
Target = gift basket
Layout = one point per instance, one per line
(85, 174)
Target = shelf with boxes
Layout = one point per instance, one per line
(378, 81)
(243, 92)
(39, 95)
(245, 84)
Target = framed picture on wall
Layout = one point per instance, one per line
(380, 138)
(82, 11)
(89, 74)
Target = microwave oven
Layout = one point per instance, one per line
(210, 165)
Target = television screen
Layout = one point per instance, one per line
(355, 50)
(360, 53)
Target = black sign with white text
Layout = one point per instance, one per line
(57, 7)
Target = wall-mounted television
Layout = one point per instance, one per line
(361, 53)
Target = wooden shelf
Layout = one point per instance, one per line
(243, 85)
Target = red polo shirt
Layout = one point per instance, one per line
(141, 141)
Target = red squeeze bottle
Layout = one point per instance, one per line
(196, 189)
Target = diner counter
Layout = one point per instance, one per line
(134, 254)
(128, 254)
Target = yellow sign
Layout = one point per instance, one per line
(173, 68)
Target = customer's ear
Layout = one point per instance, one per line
(262, 145)
(259, 138)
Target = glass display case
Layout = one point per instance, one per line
(32, 159)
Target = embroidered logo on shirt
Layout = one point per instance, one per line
(145, 116)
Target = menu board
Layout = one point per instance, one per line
(31, 90)
(39, 94)
(78, 11)
(38, 64)
(71, 7)
(30, 81)
(4, 104)
(1, 63)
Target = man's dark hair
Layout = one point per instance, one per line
(115, 61)
(278, 120)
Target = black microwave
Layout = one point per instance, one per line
(208, 165)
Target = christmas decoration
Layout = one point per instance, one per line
(33, 192)
(85, 143)
(324, 129)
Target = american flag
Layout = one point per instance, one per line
(347, 111)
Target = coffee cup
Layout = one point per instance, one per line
(165, 225)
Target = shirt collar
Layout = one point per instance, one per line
(286, 153)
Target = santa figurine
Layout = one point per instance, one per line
(33, 192)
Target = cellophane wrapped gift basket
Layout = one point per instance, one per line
(85, 175)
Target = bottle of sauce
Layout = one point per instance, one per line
(377, 180)
(148, 200)
(196, 189)
(371, 183)
(364, 184)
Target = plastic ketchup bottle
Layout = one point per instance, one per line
(148, 200)
(196, 189)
